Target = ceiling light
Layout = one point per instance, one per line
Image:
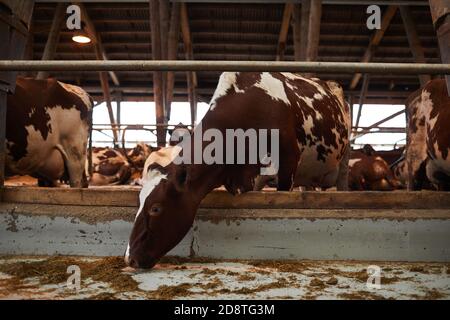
(81, 37)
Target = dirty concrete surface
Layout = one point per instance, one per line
(46, 277)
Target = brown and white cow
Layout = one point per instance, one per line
(313, 124)
(117, 167)
(109, 167)
(369, 171)
(427, 152)
(47, 128)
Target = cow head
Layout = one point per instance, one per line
(168, 203)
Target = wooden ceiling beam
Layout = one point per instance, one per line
(375, 41)
(92, 31)
(282, 38)
(53, 38)
(315, 15)
(414, 41)
(100, 55)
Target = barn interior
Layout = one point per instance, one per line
(252, 31)
(403, 231)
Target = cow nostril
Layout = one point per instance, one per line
(132, 263)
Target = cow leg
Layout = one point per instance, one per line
(42, 182)
(289, 161)
(75, 161)
(51, 171)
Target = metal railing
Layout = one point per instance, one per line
(219, 65)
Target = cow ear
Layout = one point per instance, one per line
(181, 177)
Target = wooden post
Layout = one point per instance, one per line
(304, 28)
(92, 32)
(118, 111)
(191, 77)
(174, 33)
(14, 32)
(440, 13)
(297, 31)
(192, 97)
(164, 31)
(157, 76)
(100, 55)
(3, 96)
(414, 41)
(90, 166)
(107, 96)
(315, 15)
(53, 38)
(287, 13)
(29, 50)
(375, 41)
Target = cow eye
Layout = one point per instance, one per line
(155, 211)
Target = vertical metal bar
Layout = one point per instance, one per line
(362, 97)
(3, 97)
(118, 112)
(90, 164)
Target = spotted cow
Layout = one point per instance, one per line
(109, 167)
(427, 151)
(47, 128)
(117, 167)
(312, 120)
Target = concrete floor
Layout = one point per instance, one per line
(104, 278)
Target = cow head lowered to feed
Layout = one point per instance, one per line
(257, 123)
(167, 209)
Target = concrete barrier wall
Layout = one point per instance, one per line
(334, 234)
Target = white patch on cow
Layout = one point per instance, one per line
(318, 96)
(352, 162)
(337, 135)
(77, 91)
(291, 87)
(68, 137)
(273, 87)
(153, 178)
(308, 124)
(163, 157)
(226, 81)
(292, 76)
(309, 102)
(417, 149)
(427, 108)
(316, 85)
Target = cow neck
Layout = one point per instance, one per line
(204, 179)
